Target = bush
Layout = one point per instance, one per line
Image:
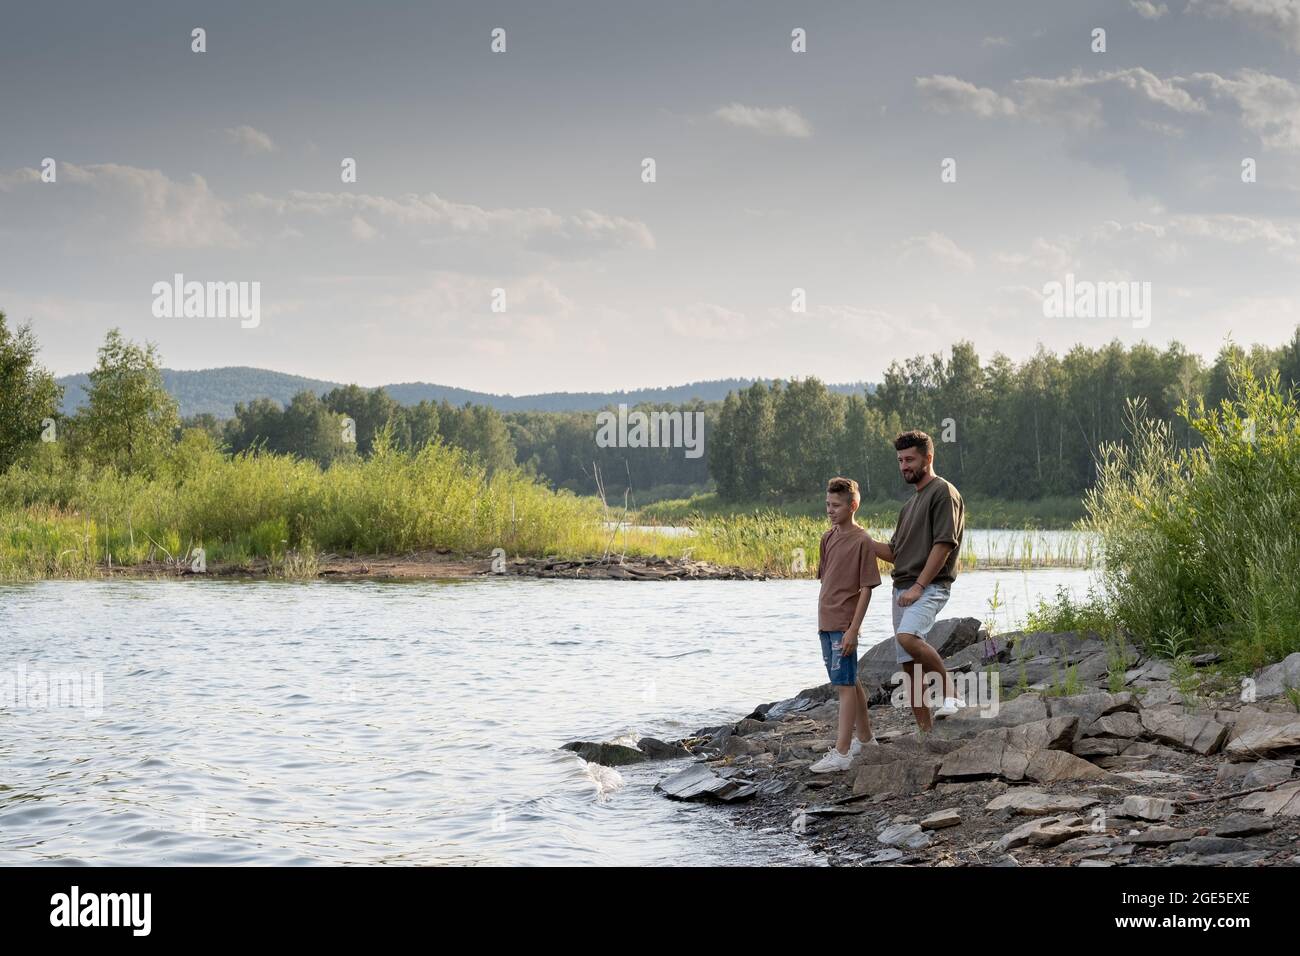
(1202, 546)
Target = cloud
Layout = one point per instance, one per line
(947, 94)
(1277, 17)
(432, 217)
(1148, 10)
(362, 231)
(1269, 105)
(1045, 255)
(120, 204)
(995, 41)
(783, 121)
(705, 320)
(252, 140)
(935, 247)
(1074, 97)
(1266, 105)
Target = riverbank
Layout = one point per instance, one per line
(436, 565)
(1065, 764)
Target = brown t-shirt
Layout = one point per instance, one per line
(933, 515)
(847, 565)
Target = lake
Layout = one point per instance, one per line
(396, 723)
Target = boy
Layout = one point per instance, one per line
(848, 572)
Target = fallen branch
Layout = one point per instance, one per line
(1226, 796)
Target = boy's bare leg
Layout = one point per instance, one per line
(864, 719)
(848, 717)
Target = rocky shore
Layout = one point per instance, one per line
(1153, 766)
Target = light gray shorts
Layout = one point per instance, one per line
(917, 618)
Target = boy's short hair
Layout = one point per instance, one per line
(914, 439)
(844, 486)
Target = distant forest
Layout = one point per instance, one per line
(1005, 429)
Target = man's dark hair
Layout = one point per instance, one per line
(914, 439)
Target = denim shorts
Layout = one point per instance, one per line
(917, 618)
(842, 669)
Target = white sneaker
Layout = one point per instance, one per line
(950, 706)
(856, 746)
(833, 761)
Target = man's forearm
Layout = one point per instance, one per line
(884, 551)
(938, 555)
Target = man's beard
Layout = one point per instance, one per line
(912, 477)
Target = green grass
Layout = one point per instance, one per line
(57, 519)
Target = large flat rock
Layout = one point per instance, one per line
(1202, 735)
(1259, 733)
(1007, 751)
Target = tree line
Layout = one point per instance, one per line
(1006, 429)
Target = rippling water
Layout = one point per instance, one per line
(286, 723)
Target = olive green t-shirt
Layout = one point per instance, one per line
(847, 565)
(933, 515)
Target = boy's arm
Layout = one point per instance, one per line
(851, 635)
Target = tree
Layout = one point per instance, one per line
(28, 393)
(129, 418)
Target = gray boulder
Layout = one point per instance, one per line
(1276, 678)
(607, 755)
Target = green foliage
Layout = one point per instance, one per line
(1063, 613)
(1202, 545)
(28, 393)
(128, 419)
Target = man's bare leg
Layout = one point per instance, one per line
(914, 688)
(929, 659)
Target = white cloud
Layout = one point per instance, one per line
(1048, 97)
(935, 247)
(705, 320)
(538, 227)
(1269, 105)
(252, 140)
(946, 94)
(362, 231)
(782, 121)
(995, 41)
(1266, 105)
(1278, 17)
(120, 204)
(1148, 10)
(1052, 256)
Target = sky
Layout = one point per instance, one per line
(819, 170)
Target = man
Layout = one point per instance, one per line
(923, 550)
